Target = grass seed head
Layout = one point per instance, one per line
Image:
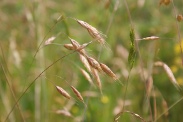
(85, 62)
(92, 31)
(75, 44)
(97, 78)
(108, 71)
(50, 40)
(77, 93)
(87, 76)
(69, 46)
(169, 73)
(63, 92)
(94, 63)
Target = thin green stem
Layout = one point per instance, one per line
(34, 82)
(169, 108)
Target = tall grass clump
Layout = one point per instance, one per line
(95, 61)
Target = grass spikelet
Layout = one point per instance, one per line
(108, 71)
(85, 62)
(63, 92)
(131, 113)
(69, 46)
(77, 93)
(169, 73)
(94, 63)
(132, 53)
(74, 43)
(79, 48)
(92, 31)
(97, 78)
(87, 76)
(179, 18)
(50, 40)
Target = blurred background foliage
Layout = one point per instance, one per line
(24, 24)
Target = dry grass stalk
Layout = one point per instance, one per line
(92, 31)
(94, 63)
(50, 40)
(87, 76)
(165, 107)
(85, 62)
(149, 85)
(169, 73)
(179, 18)
(63, 92)
(97, 78)
(77, 93)
(108, 71)
(69, 46)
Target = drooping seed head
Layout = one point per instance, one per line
(94, 63)
(97, 78)
(50, 40)
(77, 93)
(87, 76)
(69, 46)
(63, 92)
(75, 44)
(92, 31)
(169, 73)
(85, 62)
(108, 71)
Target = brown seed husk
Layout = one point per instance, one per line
(63, 92)
(97, 78)
(92, 31)
(108, 71)
(77, 93)
(168, 72)
(94, 63)
(69, 46)
(74, 43)
(87, 76)
(85, 62)
(76, 46)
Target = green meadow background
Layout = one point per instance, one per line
(25, 24)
